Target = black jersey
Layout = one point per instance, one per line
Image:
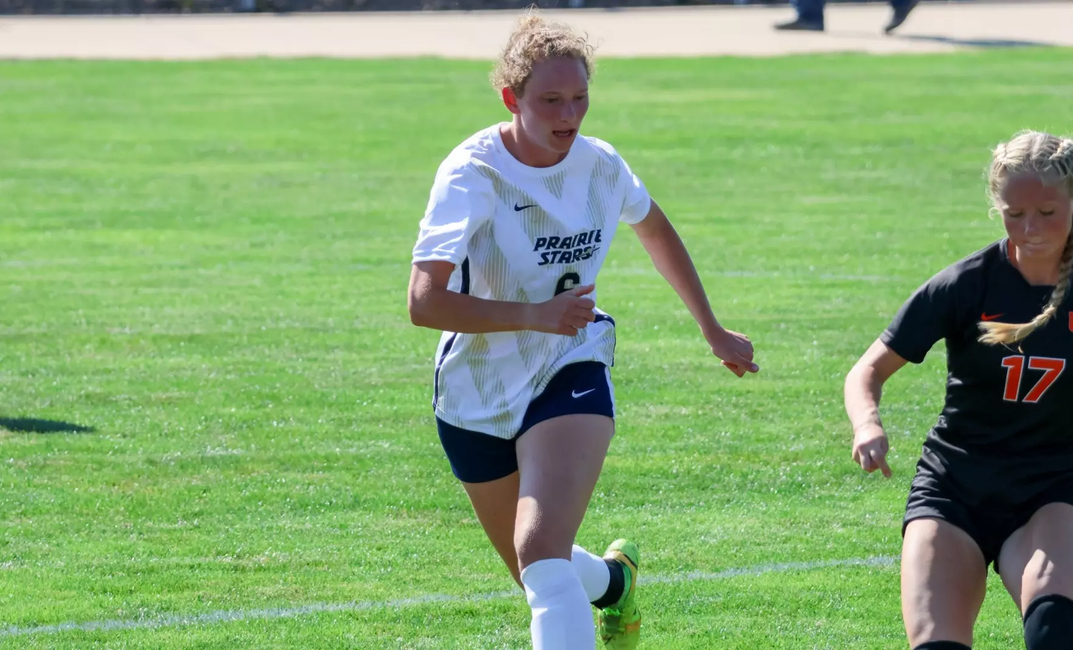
(1007, 424)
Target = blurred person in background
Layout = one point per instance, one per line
(810, 15)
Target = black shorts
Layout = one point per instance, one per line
(934, 496)
(582, 388)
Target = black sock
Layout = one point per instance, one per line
(1049, 623)
(615, 588)
(942, 645)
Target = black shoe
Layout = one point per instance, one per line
(899, 16)
(801, 26)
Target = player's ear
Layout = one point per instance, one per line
(510, 100)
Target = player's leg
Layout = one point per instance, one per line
(944, 577)
(1036, 565)
(559, 461)
(487, 466)
(610, 582)
(496, 503)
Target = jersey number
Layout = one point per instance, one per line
(1015, 367)
(567, 282)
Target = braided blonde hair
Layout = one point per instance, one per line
(535, 40)
(1051, 158)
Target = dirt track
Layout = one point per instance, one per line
(745, 31)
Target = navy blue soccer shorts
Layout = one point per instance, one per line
(582, 388)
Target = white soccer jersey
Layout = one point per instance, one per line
(521, 234)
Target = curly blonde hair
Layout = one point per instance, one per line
(534, 40)
(1050, 157)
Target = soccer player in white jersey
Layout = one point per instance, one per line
(518, 224)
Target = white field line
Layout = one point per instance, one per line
(223, 616)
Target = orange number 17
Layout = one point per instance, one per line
(1015, 367)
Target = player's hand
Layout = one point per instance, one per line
(870, 447)
(567, 313)
(735, 350)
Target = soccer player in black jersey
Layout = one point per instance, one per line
(995, 480)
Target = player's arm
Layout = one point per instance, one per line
(672, 260)
(863, 389)
(433, 305)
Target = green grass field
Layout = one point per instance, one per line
(205, 264)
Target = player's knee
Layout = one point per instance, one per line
(1049, 623)
(942, 627)
(920, 623)
(534, 542)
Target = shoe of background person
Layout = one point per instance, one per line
(801, 26)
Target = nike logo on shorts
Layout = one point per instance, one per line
(576, 394)
(518, 208)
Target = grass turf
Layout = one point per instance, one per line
(204, 266)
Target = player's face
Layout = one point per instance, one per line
(554, 103)
(1037, 217)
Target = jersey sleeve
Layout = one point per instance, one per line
(928, 315)
(637, 202)
(460, 202)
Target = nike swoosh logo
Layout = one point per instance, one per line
(518, 208)
(576, 394)
(985, 317)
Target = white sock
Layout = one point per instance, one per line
(562, 617)
(593, 571)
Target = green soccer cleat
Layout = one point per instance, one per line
(619, 625)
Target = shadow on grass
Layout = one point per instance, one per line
(988, 43)
(33, 425)
(983, 43)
